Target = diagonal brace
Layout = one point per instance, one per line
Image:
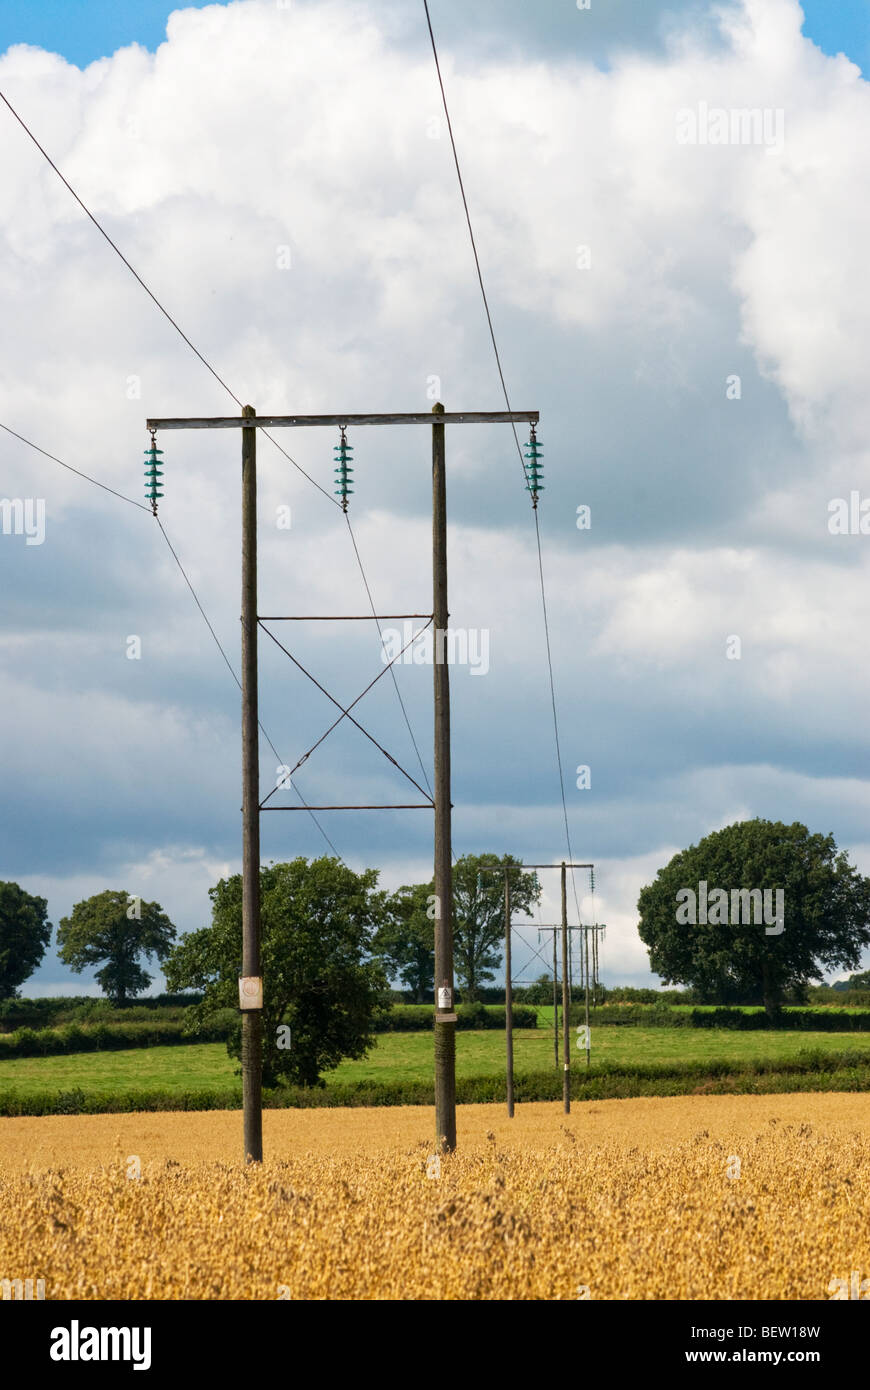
(345, 713)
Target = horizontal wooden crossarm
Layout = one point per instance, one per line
(339, 617)
(422, 806)
(447, 417)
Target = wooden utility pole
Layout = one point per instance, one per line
(250, 983)
(508, 996)
(586, 931)
(508, 984)
(555, 1006)
(566, 1022)
(566, 971)
(555, 930)
(252, 1018)
(445, 1017)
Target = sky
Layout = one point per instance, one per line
(687, 312)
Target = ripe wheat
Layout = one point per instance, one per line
(621, 1218)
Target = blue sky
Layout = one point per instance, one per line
(84, 30)
(840, 26)
(709, 511)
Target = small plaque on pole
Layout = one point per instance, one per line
(445, 999)
(250, 992)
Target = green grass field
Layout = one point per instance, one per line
(408, 1056)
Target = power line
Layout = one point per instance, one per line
(143, 508)
(151, 295)
(470, 228)
(118, 252)
(232, 394)
(54, 459)
(553, 702)
(392, 671)
(239, 684)
(281, 450)
(217, 378)
(200, 607)
(516, 437)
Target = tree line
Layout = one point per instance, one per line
(114, 929)
(332, 941)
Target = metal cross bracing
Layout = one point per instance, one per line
(429, 803)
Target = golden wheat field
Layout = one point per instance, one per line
(716, 1198)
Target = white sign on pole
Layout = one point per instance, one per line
(250, 992)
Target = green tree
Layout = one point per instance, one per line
(478, 915)
(317, 923)
(116, 928)
(25, 933)
(541, 992)
(825, 923)
(406, 941)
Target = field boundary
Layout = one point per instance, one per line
(808, 1071)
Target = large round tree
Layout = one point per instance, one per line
(478, 914)
(317, 923)
(115, 928)
(25, 932)
(755, 911)
(406, 942)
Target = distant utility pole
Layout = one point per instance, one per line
(508, 986)
(508, 998)
(251, 983)
(508, 994)
(556, 930)
(555, 1005)
(586, 931)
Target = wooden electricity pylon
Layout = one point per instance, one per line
(251, 984)
(557, 931)
(508, 993)
(508, 986)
